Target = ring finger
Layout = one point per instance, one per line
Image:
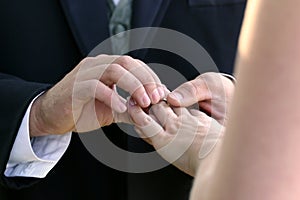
(163, 113)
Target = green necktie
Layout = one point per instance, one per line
(120, 17)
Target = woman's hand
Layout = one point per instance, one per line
(181, 136)
(211, 91)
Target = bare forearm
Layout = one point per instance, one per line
(257, 159)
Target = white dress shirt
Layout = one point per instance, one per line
(37, 156)
(116, 2)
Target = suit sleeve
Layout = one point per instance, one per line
(16, 95)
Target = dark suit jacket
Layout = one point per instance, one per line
(42, 40)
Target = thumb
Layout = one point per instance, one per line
(189, 93)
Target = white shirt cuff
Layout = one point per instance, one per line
(35, 157)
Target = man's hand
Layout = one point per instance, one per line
(212, 91)
(86, 98)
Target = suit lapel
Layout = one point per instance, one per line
(146, 13)
(88, 21)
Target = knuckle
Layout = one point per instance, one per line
(195, 120)
(110, 73)
(190, 88)
(87, 60)
(100, 56)
(166, 119)
(139, 61)
(87, 63)
(200, 88)
(125, 61)
(173, 127)
(202, 121)
(111, 69)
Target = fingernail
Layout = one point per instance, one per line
(145, 100)
(122, 107)
(155, 96)
(176, 95)
(123, 100)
